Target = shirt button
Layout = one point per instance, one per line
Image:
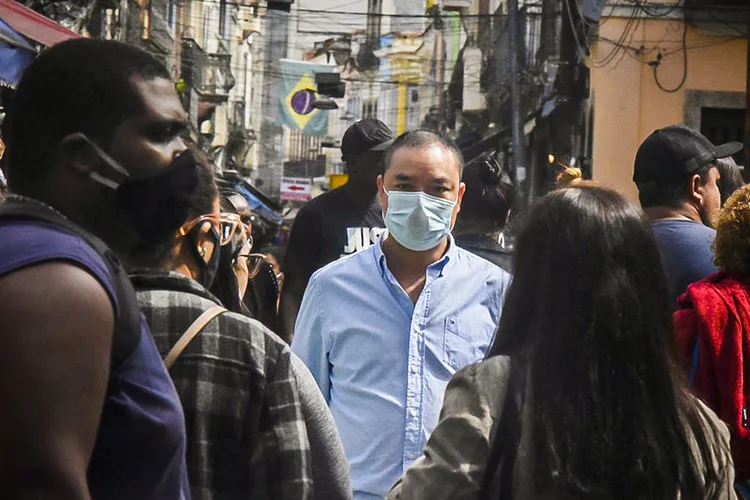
(414, 369)
(414, 412)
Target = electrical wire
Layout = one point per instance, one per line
(684, 65)
(644, 6)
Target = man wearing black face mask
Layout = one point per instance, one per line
(94, 154)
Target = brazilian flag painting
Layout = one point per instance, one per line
(296, 97)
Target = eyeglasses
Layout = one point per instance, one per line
(254, 263)
(225, 224)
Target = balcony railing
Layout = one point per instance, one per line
(209, 74)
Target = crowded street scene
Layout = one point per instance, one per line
(374, 249)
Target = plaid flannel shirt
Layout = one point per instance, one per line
(246, 433)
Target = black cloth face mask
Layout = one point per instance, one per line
(157, 204)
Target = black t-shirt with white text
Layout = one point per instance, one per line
(328, 227)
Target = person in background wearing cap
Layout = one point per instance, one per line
(384, 330)
(338, 223)
(677, 180)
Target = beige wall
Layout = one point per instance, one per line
(628, 105)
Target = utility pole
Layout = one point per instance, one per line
(439, 58)
(516, 48)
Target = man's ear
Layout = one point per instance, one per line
(461, 192)
(696, 185)
(76, 152)
(382, 197)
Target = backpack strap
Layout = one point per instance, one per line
(193, 330)
(127, 332)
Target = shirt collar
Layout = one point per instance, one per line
(160, 279)
(440, 265)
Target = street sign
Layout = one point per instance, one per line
(295, 189)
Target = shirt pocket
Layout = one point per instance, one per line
(459, 348)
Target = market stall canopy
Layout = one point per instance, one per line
(15, 54)
(33, 25)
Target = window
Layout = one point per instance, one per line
(370, 108)
(722, 125)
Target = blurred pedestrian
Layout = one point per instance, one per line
(275, 256)
(382, 331)
(235, 261)
(730, 177)
(677, 180)
(341, 222)
(484, 212)
(713, 327)
(579, 397)
(257, 425)
(94, 151)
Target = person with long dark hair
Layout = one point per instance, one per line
(580, 396)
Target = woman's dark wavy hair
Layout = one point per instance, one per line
(588, 319)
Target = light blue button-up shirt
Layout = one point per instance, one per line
(383, 362)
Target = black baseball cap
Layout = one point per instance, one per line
(674, 152)
(366, 135)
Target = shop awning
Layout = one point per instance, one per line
(257, 206)
(33, 25)
(15, 54)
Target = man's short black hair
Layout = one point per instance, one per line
(673, 193)
(79, 85)
(420, 139)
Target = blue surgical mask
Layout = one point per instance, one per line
(417, 220)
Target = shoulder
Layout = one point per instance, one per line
(258, 345)
(482, 383)
(479, 389)
(685, 230)
(490, 371)
(717, 287)
(230, 338)
(320, 203)
(481, 267)
(26, 243)
(345, 266)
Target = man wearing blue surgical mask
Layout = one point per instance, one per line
(383, 331)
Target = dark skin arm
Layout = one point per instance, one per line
(291, 299)
(56, 322)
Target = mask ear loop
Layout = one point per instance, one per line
(111, 162)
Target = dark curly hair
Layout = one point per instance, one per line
(732, 243)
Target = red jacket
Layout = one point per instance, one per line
(716, 311)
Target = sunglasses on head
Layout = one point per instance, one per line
(225, 224)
